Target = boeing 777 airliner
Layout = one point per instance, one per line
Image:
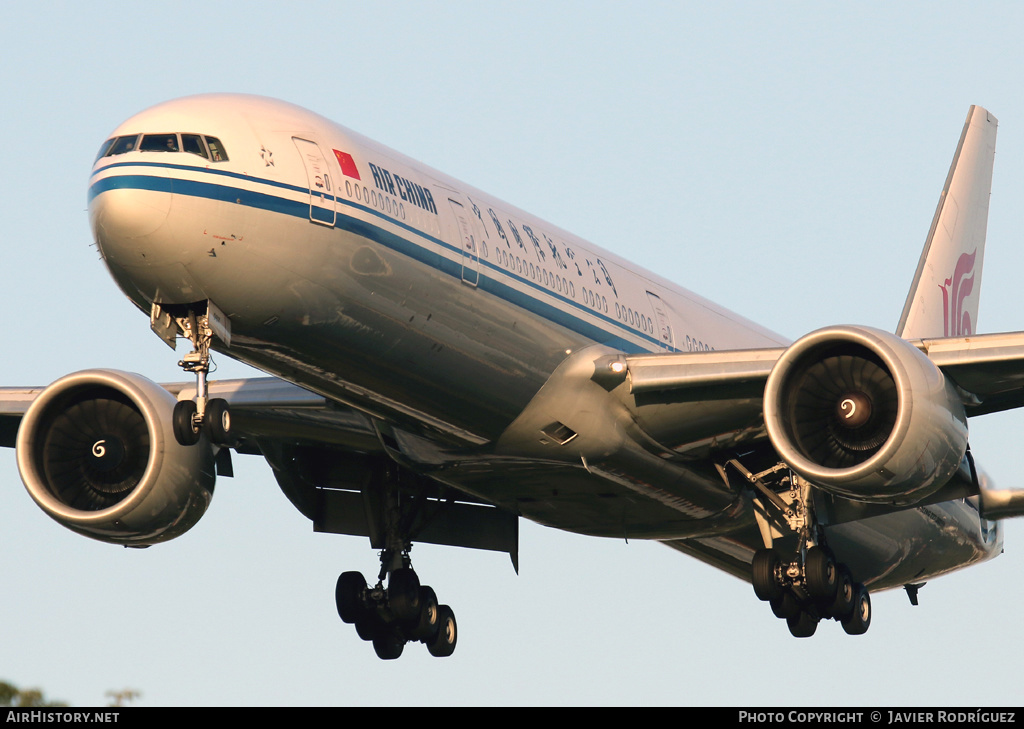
(442, 364)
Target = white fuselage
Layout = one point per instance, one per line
(385, 250)
(359, 274)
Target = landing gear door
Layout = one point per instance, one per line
(467, 238)
(321, 184)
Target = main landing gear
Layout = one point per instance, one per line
(809, 587)
(797, 574)
(397, 609)
(403, 612)
(193, 417)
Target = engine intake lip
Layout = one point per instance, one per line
(128, 481)
(782, 388)
(50, 406)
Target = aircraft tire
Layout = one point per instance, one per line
(217, 422)
(369, 627)
(348, 596)
(785, 606)
(842, 605)
(859, 619)
(426, 625)
(802, 625)
(766, 587)
(404, 594)
(443, 644)
(183, 423)
(820, 570)
(388, 645)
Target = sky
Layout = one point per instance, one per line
(784, 160)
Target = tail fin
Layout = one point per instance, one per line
(943, 299)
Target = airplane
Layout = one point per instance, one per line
(441, 364)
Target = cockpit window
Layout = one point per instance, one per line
(159, 143)
(122, 145)
(194, 144)
(206, 147)
(217, 153)
(105, 147)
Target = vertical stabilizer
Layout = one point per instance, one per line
(943, 299)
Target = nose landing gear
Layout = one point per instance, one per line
(193, 417)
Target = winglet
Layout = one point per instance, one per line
(943, 299)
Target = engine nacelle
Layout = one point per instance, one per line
(864, 414)
(97, 452)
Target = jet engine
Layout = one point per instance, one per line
(97, 452)
(864, 414)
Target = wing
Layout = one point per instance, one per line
(988, 370)
(263, 408)
(323, 455)
(701, 411)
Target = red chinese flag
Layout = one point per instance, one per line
(348, 165)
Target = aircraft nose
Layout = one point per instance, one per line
(123, 219)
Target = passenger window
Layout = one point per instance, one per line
(123, 144)
(217, 153)
(159, 143)
(193, 144)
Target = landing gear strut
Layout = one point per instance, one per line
(801, 579)
(404, 611)
(193, 417)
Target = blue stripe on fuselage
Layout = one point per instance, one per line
(405, 246)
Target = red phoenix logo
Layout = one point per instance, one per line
(956, 321)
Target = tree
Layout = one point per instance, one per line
(11, 695)
(123, 697)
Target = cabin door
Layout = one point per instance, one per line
(663, 323)
(321, 185)
(467, 241)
